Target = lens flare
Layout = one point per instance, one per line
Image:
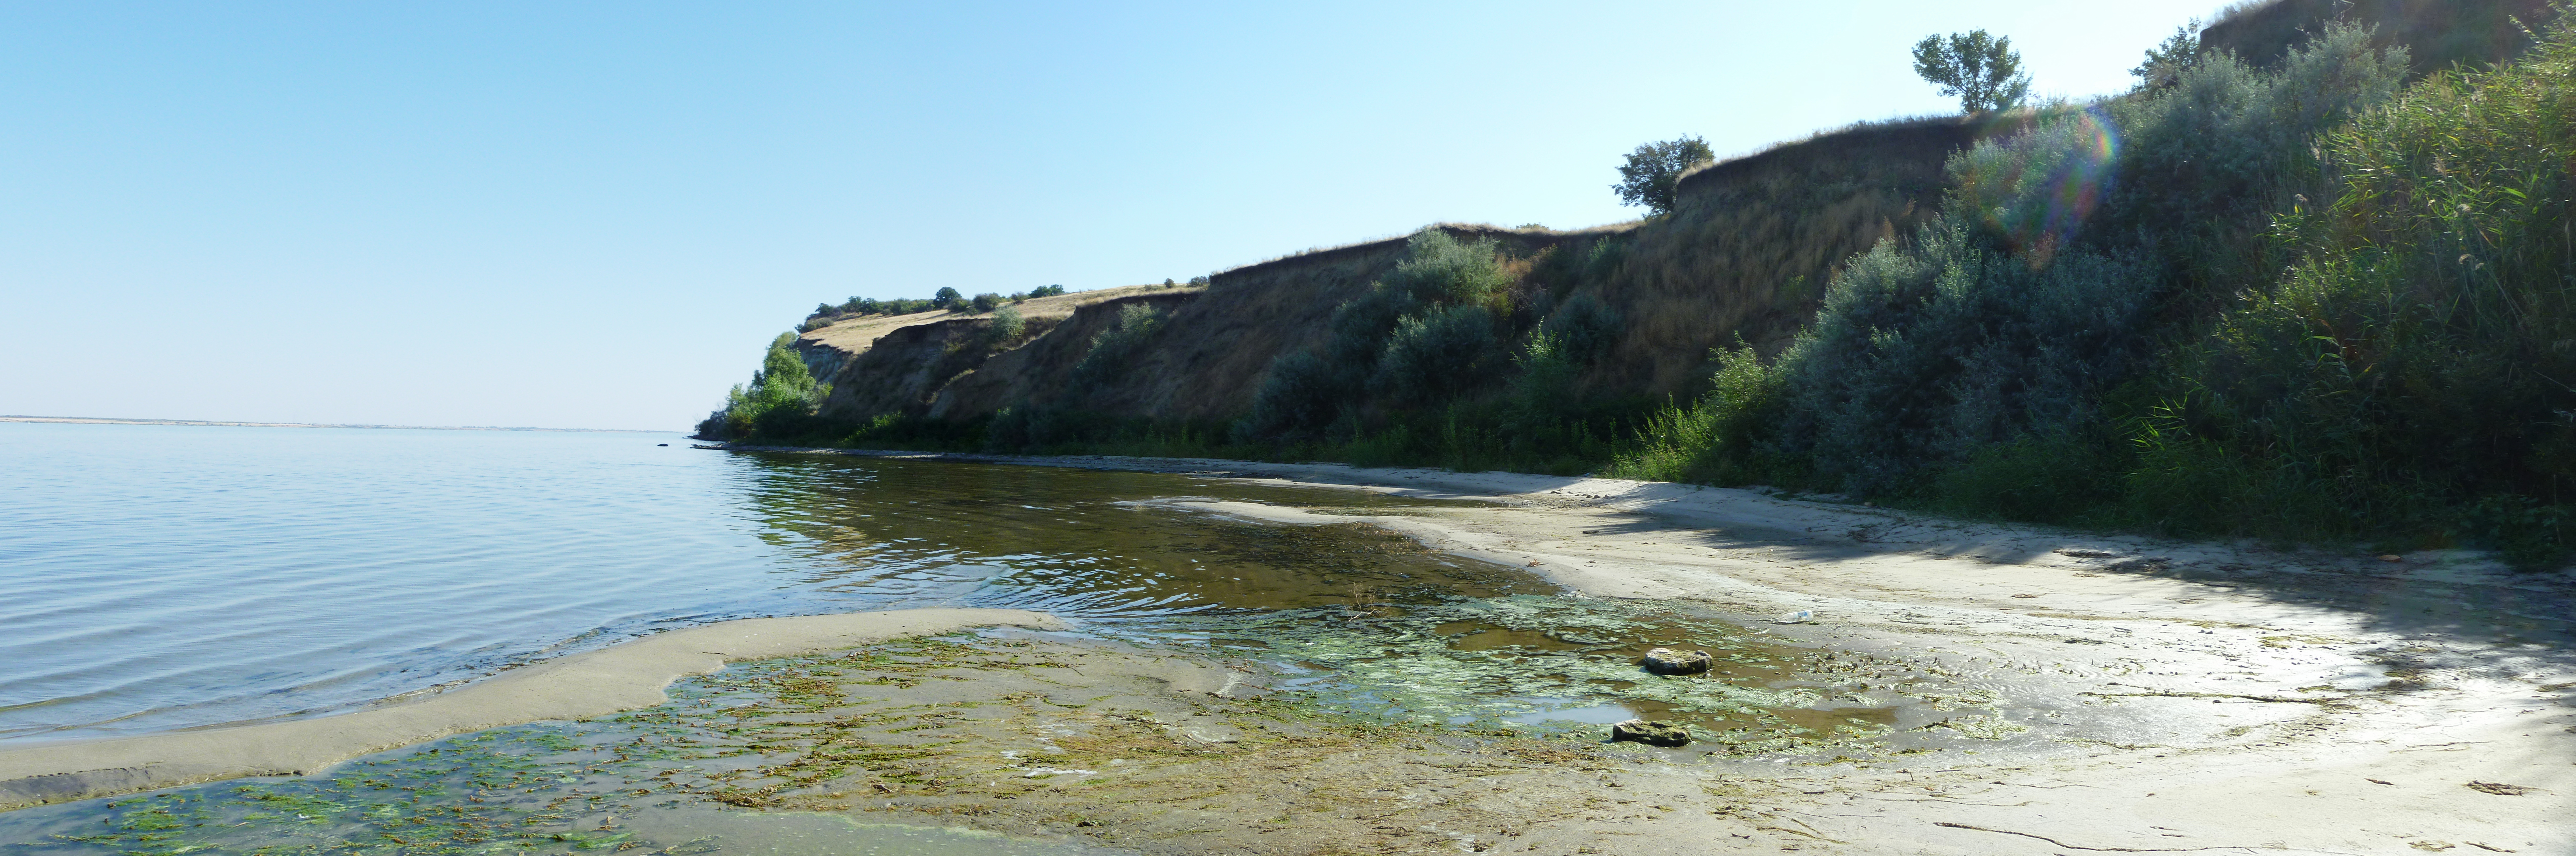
(2054, 184)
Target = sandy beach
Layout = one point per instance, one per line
(2164, 696)
(2187, 695)
(618, 678)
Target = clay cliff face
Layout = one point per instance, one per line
(1747, 253)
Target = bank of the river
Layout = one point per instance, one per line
(618, 678)
(2190, 696)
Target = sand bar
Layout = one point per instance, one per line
(621, 677)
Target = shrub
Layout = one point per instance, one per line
(1921, 353)
(1584, 328)
(1604, 258)
(1726, 437)
(1543, 393)
(1437, 268)
(1433, 356)
(1300, 396)
(2415, 355)
(1113, 348)
(2057, 477)
(987, 302)
(1006, 327)
(781, 397)
(2203, 165)
(1046, 291)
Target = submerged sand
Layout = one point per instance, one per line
(2181, 696)
(621, 677)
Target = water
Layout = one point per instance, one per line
(166, 577)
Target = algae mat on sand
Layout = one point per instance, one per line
(1049, 742)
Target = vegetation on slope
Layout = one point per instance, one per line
(779, 402)
(2306, 304)
(2303, 300)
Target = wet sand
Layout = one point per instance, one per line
(621, 677)
(2209, 697)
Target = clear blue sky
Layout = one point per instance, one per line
(594, 215)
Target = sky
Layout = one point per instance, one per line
(596, 215)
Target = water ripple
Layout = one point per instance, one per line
(166, 577)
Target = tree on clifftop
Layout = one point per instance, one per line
(1983, 71)
(1654, 168)
(946, 298)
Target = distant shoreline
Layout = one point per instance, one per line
(94, 420)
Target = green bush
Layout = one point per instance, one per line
(2060, 477)
(1726, 437)
(1006, 328)
(1113, 348)
(2203, 165)
(1301, 395)
(1923, 353)
(2416, 354)
(1438, 268)
(779, 402)
(1584, 327)
(987, 302)
(1439, 353)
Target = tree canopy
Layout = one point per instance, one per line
(1982, 71)
(1652, 171)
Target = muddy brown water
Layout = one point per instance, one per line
(1351, 619)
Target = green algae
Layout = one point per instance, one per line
(1506, 661)
(500, 791)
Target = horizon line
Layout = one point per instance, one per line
(226, 423)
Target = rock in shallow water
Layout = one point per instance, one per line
(1650, 733)
(1666, 661)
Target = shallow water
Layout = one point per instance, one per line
(171, 577)
(166, 577)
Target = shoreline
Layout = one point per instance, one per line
(216, 423)
(625, 676)
(2214, 696)
(2175, 695)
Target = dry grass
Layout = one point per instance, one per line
(1748, 253)
(2438, 33)
(1755, 241)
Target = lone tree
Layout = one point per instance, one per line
(946, 298)
(2166, 62)
(1983, 71)
(1654, 168)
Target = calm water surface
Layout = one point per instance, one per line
(165, 577)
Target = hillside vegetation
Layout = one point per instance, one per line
(2313, 292)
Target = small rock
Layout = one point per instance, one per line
(2501, 790)
(1650, 733)
(1666, 661)
(2392, 557)
(2086, 554)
